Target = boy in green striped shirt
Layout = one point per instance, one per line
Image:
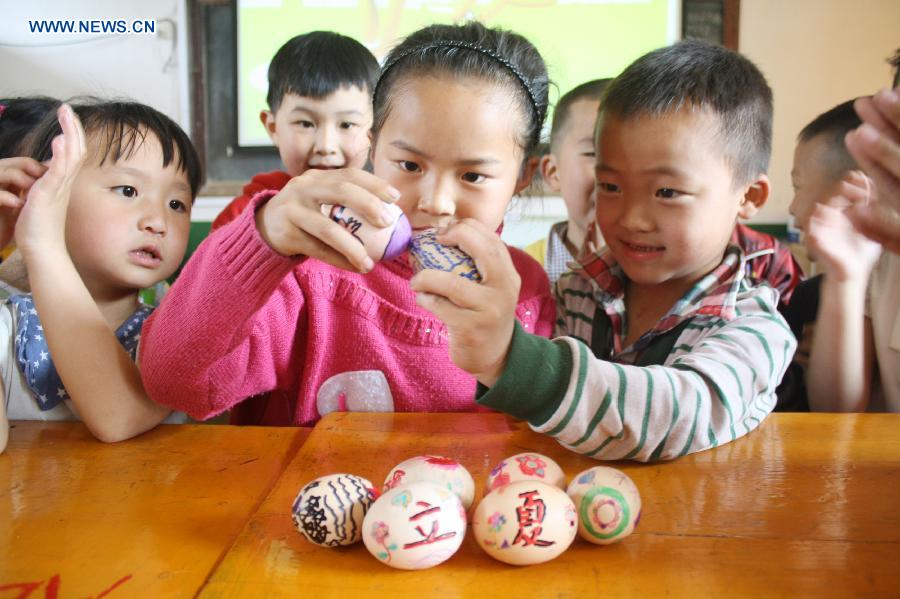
(665, 347)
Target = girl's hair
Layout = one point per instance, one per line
(470, 50)
(119, 128)
(18, 117)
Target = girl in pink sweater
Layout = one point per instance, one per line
(283, 317)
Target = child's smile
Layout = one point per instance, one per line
(666, 200)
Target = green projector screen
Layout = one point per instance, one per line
(579, 39)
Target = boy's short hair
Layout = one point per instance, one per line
(590, 90)
(120, 127)
(698, 75)
(834, 124)
(317, 64)
(18, 118)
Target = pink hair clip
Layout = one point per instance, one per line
(2, 109)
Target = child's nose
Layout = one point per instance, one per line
(326, 140)
(438, 197)
(637, 216)
(153, 220)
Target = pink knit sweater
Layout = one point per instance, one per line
(244, 321)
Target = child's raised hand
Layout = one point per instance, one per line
(479, 316)
(17, 175)
(875, 146)
(292, 222)
(844, 252)
(41, 228)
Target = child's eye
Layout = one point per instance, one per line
(409, 166)
(473, 178)
(177, 205)
(126, 190)
(305, 124)
(668, 193)
(590, 154)
(607, 187)
(348, 125)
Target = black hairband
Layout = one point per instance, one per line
(468, 46)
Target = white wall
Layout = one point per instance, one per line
(815, 54)
(151, 68)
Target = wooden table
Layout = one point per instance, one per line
(150, 517)
(805, 506)
(808, 504)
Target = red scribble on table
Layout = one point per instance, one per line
(52, 587)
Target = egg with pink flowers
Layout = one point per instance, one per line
(608, 503)
(526, 466)
(445, 472)
(415, 526)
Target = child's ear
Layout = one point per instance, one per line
(549, 171)
(371, 137)
(755, 196)
(527, 174)
(267, 118)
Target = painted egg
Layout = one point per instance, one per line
(426, 252)
(442, 471)
(329, 511)
(525, 522)
(526, 466)
(380, 243)
(415, 526)
(608, 503)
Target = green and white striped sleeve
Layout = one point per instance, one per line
(717, 385)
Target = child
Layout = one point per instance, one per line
(278, 301)
(821, 162)
(858, 326)
(320, 110)
(569, 170)
(110, 216)
(668, 348)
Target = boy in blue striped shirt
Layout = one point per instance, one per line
(665, 347)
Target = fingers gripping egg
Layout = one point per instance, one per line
(426, 252)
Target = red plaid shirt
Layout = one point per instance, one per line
(714, 295)
(768, 261)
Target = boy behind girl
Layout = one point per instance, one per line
(668, 347)
(569, 171)
(320, 110)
